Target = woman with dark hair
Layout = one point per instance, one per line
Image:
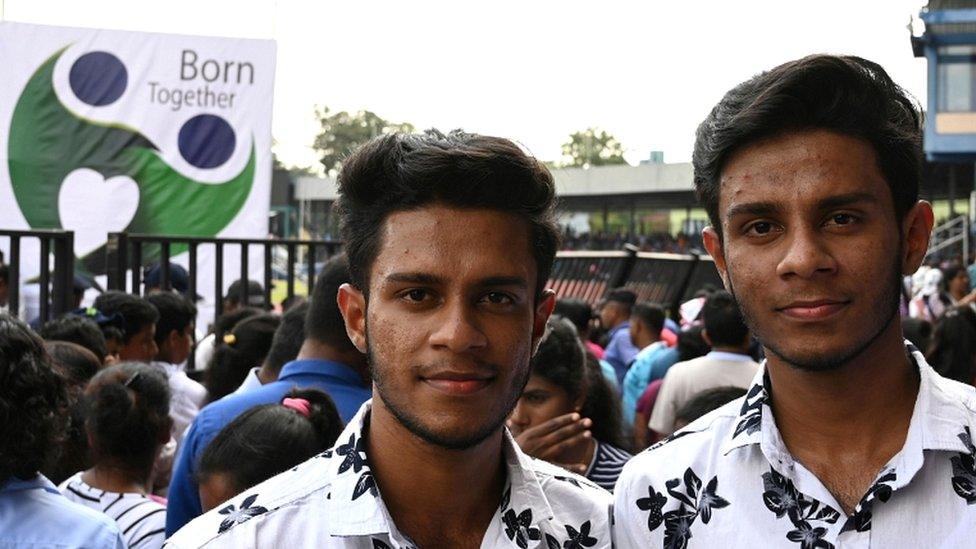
(566, 385)
(33, 407)
(264, 441)
(953, 349)
(239, 350)
(127, 425)
(77, 365)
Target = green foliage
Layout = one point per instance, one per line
(592, 147)
(342, 133)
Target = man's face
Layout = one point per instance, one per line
(451, 321)
(812, 247)
(142, 346)
(178, 345)
(610, 315)
(959, 285)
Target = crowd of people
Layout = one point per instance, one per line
(431, 392)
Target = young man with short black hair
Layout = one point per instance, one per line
(728, 364)
(174, 338)
(450, 239)
(615, 318)
(846, 437)
(646, 324)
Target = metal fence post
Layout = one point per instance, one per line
(628, 267)
(116, 260)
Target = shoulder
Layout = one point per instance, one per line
(563, 488)
(182, 382)
(698, 446)
(238, 520)
(81, 524)
(579, 506)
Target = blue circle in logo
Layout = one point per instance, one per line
(207, 141)
(98, 78)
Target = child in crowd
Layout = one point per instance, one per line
(138, 319)
(128, 423)
(237, 352)
(33, 404)
(77, 365)
(222, 326)
(704, 402)
(80, 329)
(174, 339)
(264, 441)
(564, 386)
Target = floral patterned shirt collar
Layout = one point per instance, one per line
(355, 514)
(934, 425)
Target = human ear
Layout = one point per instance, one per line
(713, 244)
(542, 312)
(916, 230)
(352, 305)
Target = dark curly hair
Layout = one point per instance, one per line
(128, 410)
(562, 360)
(33, 402)
(400, 172)
(77, 329)
(843, 94)
(137, 313)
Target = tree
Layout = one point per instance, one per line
(592, 147)
(343, 132)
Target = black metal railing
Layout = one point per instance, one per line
(129, 253)
(55, 284)
(667, 279)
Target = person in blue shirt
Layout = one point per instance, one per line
(33, 404)
(327, 361)
(615, 317)
(646, 324)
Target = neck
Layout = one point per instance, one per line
(420, 481)
(266, 374)
(731, 349)
(842, 411)
(115, 479)
(647, 342)
(312, 349)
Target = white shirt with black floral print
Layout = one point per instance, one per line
(332, 500)
(728, 480)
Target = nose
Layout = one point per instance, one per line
(806, 255)
(518, 420)
(458, 330)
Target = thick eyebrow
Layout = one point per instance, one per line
(495, 281)
(771, 208)
(841, 200)
(415, 278)
(752, 208)
(433, 280)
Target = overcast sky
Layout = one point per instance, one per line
(534, 71)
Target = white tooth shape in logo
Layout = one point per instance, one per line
(93, 206)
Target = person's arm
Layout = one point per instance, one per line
(183, 503)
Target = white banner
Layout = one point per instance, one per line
(104, 131)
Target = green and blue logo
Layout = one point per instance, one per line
(48, 143)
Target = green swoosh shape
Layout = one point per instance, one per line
(47, 142)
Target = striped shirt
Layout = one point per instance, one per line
(608, 462)
(141, 520)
